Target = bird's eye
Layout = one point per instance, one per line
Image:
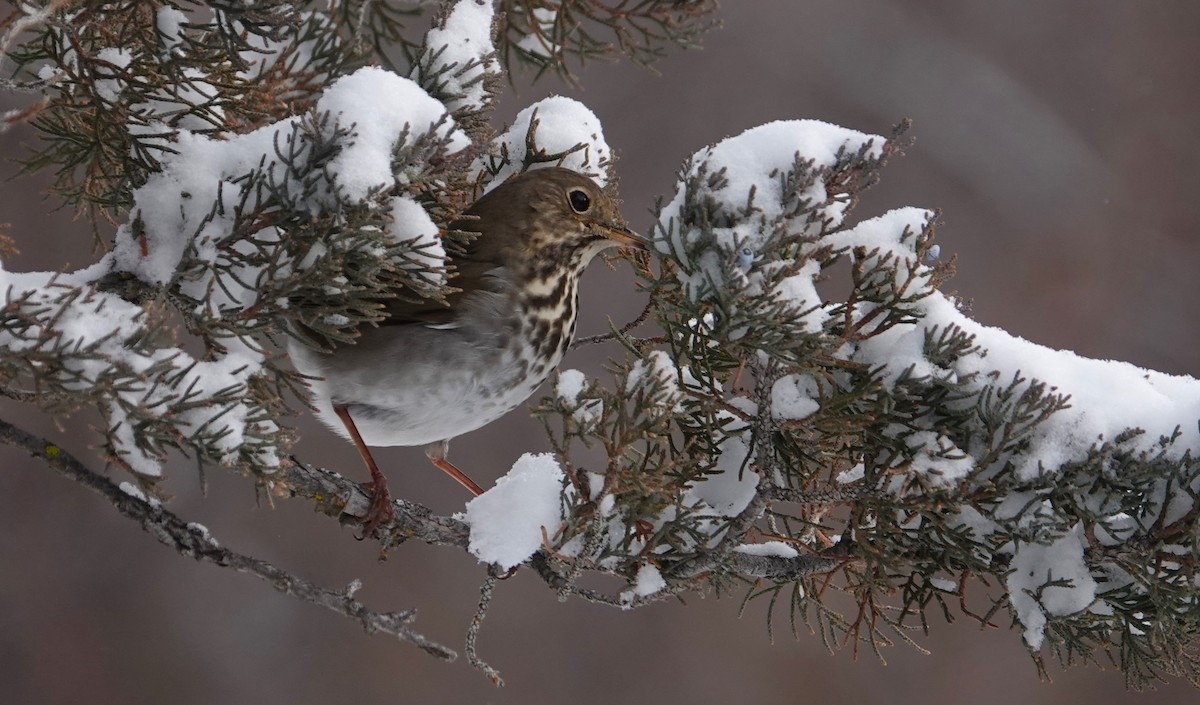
(579, 201)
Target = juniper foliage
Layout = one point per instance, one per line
(907, 489)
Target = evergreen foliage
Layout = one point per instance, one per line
(769, 439)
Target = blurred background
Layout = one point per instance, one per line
(1059, 138)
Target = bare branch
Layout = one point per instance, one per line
(194, 541)
(342, 498)
(485, 599)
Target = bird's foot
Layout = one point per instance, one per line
(380, 511)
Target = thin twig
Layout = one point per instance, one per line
(819, 497)
(194, 541)
(21, 395)
(612, 334)
(485, 599)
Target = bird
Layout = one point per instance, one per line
(431, 371)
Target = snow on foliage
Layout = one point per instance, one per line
(168, 21)
(460, 54)
(108, 86)
(794, 397)
(384, 109)
(755, 220)
(655, 377)
(511, 521)
(730, 486)
(572, 383)
(768, 548)
(1107, 397)
(295, 50)
(943, 436)
(192, 211)
(646, 582)
(1050, 579)
(565, 133)
(91, 332)
(411, 224)
(537, 42)
(745, 171)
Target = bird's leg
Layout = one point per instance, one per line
(381, 500)
(436, 452)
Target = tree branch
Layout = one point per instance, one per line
(194, 541)
(346, 500)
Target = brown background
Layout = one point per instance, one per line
(1059, 138)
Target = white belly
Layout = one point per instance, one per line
(423, 393)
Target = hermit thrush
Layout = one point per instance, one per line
(430, 372)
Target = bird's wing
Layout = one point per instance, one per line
(471, 278)
(475, 271)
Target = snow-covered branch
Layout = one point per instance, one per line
(812, 410)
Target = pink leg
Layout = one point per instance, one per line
(436, 452)
(381, 500)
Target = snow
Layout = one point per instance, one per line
(562, 124)
(203, 533)
(647, 582)
(187, 104)
(109, 89)
(853, 474)
(777, 549)
(794, 397)
(136, 492)
(264, 52)
(891, 236)
(100, 324)
(732, 484)
(382, 106)
(938, 459)
(169, 23)
(462, 55)
(801, 290)
(1035, 565)
(538, 43)
(411, 224)
(944, 585)
(1106, 397)
(657, 375)
(570, 384)
(732, 261)
(753, 162)
(595, 485)
(507, 521)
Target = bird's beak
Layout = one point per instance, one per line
(624, 237)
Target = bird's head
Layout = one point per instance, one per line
(547, 219)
